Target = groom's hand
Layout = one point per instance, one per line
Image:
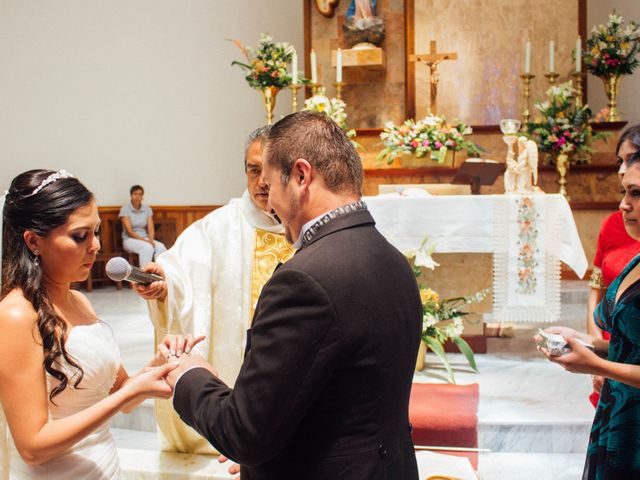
(186, 362)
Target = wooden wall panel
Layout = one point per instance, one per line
(182, 215)
(372, 96)
(483, 86)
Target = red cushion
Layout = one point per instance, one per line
(445, 415)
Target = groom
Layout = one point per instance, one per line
(323, 392)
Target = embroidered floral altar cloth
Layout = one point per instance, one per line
(528, 235)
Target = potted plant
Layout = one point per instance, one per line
(441, 318)
(563, 130)
(611, 52)
(431, 139)
(266, 68)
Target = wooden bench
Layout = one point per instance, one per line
(165, 231)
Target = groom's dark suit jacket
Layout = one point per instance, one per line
(323, 392)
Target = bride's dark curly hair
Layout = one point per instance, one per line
(48, 208)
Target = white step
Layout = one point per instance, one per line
(530, 466)
(145, 462)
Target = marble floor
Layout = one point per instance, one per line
(533, 416)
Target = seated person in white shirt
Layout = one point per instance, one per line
(137, 228)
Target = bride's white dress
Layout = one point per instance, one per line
(95, 457)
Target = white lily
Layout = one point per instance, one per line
(424, 259)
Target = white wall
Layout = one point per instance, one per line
(629, 99)
(135, 91)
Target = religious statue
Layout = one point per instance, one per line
(327, 7)
(518, 177)
(362, 29)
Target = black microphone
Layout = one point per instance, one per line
(119, 269)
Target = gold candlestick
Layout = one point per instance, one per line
(578, 79)
(294, 96)
(527, 78)
(562, 167)
(551, 76)
(339, 86)
(315, 88)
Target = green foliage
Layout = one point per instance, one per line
(563, 127)
(431, 135)
(442, 319)
(266, 65)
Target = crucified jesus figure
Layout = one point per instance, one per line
(432, 60)
(434, 78)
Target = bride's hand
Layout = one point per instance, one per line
(174, 346)
(151, 382)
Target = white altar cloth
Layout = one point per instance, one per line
(486, 224)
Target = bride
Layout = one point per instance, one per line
(61, 379)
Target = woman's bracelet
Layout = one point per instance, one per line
(596, 281)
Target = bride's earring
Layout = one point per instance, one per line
(36, 260)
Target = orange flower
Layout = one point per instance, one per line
(242, 48)
(524, 274)
(526, 249)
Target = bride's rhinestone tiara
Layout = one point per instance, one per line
(54, 177)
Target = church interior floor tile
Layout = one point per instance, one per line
(533, 416)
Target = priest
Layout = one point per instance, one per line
(213, 277)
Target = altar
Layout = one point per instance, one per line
(511, 243)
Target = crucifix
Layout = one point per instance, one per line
(431, 60)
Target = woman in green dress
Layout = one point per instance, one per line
(614, 444)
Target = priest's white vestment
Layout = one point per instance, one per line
(214, 275)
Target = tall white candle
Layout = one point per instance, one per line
(339, 66)
(527, 57)
(579, 55)
(314, 68)
(294, 68)
(552, 56)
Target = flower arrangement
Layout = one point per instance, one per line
(442, 318)
(334, 107)
(562, 126)
(266, 65)
(432, 135)
(612, 49)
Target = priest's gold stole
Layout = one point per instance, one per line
(270, 249)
